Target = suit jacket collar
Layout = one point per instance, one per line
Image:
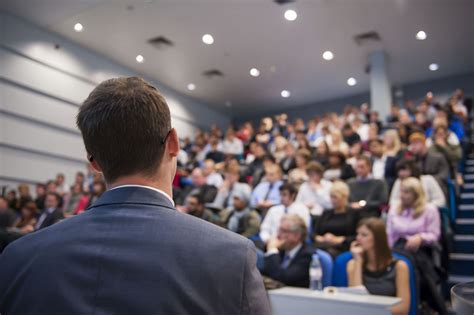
(133, 195)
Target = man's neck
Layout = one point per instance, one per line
(141, 181)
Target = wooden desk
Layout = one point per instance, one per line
(299, 301)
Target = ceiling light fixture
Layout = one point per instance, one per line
(139, 59)
(421, 35)
(351, 81)
(207, 39)
(191, 86)
(254, 72)
(328, 55)
(78, 27)
(285, 93)
(290, 15)
(433, 67)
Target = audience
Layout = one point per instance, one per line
(373, 266)
(287, 258)
(335, 229)
(336, 168)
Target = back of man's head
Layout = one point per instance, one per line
(124, 123)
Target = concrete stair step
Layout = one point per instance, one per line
(464, 226)
(464, 243)
(466, 211)
(462, 264)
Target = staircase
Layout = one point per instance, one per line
(462, 258)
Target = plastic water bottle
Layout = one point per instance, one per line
(315, 274)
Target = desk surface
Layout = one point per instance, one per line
(291, 301)
(376, 300)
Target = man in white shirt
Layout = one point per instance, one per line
(314, 193)
(232, 144)
(271, 223)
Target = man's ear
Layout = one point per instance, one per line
(94, 164)
(172, 144)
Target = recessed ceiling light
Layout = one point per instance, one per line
(421, 35)
(433, 67)
(291, 15)
(208, 39)
(191, 86)
(328, 55)
(139, 59)
(254, 72)
(78, 27)
(351, 81)
(285, 94)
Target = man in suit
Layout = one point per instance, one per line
(287, 258)
(132, 252)
(367, 194)
(52, 213)
(430, 163)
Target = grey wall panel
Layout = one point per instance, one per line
(26, 134)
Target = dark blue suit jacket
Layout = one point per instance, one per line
(131, 253)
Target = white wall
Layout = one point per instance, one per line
(41, 88)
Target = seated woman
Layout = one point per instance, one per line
(338, 168)
(374, 267)
(413, 226)
(335, 229)
(407, 167)
(26, 223)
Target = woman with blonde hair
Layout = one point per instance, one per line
(414, 227)
(373, 266)
(335, 229)
(412, 219)
(337, 143)
(392, 143)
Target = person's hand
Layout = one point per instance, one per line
(413, 243)
(310, 205)
(356, 250)
(440, 141)
(27, 229)
(319, 239)
(274, 243)
(355, 205)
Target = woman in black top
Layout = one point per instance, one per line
(335, 229)
(374, 267)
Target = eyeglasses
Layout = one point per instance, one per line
(91, 158)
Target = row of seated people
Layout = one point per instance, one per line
(413, 228)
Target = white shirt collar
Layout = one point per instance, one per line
(148, 187)
(292, 253)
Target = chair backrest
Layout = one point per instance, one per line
(339, 272)
(327, 264)
(339, 278)
(413, 286)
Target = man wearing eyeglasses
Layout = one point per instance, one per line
(132, 252)
(287, 258)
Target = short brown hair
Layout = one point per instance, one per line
(315, 167)
(124, 122)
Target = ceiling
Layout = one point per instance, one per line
(254, 33)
